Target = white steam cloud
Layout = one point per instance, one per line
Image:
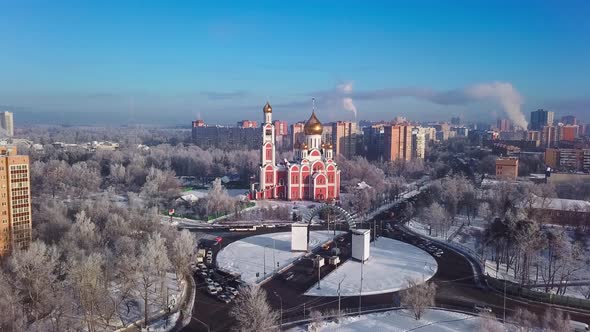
(501, 93)
(506, 95)
(345, 89)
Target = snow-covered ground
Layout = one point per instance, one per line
(258, 253)
(388, 269)
(403, 320)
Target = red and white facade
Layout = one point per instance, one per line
(313, 175)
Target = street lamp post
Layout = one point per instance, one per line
(274, 249)
(339, 294)
(504, 322)
(361, 289)
(281, 299)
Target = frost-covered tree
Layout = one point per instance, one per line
(151, 266)
(418, 296)
(182, 253)
(252, 311)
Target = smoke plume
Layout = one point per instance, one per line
(345, 90)
(505, 95)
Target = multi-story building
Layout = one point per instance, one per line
(552, 158)
(541, 118)
(373, 141)
(312, 175)
(7, 122)
(297, 133)
(418, 143)
(344, 138)
(443, 131)
(225, 137)
(503, 125)
(568, 133)
(397, 142)
(456, 120)
(282, 134)
(247, 124)
(507, 168)
(568, 159)
(548, 136)
(15, 200)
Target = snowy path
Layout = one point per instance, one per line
(258, 253)
(390, 265)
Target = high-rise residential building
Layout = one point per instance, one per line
(443, 131)
(541, 118)
(568, 133)
(548, 136)
(569, 120)
(297, 133)
(247, 124)
(281, 134)
(418, 143)
(7, 123)
(397, 142)
(225, 137)
(198, 123)
(503, 125)
(344, 138)
(15, 200)
(373, 141)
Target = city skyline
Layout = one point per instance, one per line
(113, 63)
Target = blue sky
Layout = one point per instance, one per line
(169, 62)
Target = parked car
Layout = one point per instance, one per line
(211, 290)
(579, 326)
(218, 286)
(232, 290)
(209, 260)
(209, 281)
(203, 274)
(230, 295)
(223, 298)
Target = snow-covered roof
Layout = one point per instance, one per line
(362, 185)
(561, 204)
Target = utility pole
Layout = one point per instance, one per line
(504, 322)
(264, 261)
(339, 294)
(281, 299)
(361, 289)
(319, 267)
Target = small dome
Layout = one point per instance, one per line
(304, 146)
(330, 146)
(267, 108)
(313, 126)
(324, 145)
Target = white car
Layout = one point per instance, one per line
(217, 286)
(209, 281)
(211, 290)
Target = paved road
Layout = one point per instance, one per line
(457, 289)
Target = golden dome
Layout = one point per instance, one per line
(267, 108)
(304, 146)
(313, 126)
(329, 146)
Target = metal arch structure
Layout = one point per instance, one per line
(348, 217)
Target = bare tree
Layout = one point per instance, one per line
(556, 321)
(317, 319)
(524, 320)
(418, 296)
(87, 280)
(252, 311)
(490, 324)
(13, 317)
(151, 267)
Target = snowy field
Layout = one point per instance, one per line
(402, 320)
(390, 265)
(249, 255)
